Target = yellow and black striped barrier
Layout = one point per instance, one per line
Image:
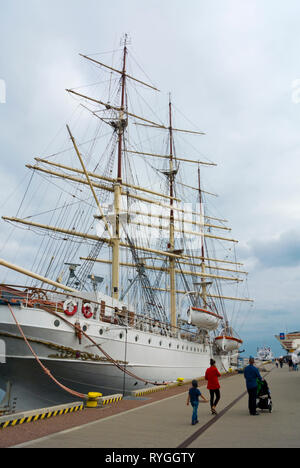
(37, 415)
(106, 400)
(145, 391)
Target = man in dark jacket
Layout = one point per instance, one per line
(251, 374)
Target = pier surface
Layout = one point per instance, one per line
(163, 420)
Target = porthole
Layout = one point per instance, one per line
(170, 344)
(160, 343)
(121, 336)
(136, 338)
(149, 341)
(178, 346)
(101, 331)
(56, 323)
(84, 328)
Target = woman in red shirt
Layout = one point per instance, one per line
(211, 375)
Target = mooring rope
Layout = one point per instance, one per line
(47, 371)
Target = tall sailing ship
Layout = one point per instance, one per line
(129, 286)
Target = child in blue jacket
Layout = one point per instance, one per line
(193, 398)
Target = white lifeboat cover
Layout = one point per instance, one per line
(228, 343)
(203, 318)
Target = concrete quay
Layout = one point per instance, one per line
(163, 420)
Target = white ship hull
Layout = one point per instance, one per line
(148, 356)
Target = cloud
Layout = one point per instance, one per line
(282, 251)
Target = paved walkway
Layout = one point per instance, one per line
(166, 423)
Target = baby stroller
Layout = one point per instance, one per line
(264, 401)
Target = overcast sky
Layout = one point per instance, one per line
(232, 67)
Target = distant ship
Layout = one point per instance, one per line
(289, 341)
(264, 353)
(125, 199)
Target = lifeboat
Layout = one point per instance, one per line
(228, 343)
(203, 318)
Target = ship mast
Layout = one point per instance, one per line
(172, 261)
(203, 283)
(118, 185)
